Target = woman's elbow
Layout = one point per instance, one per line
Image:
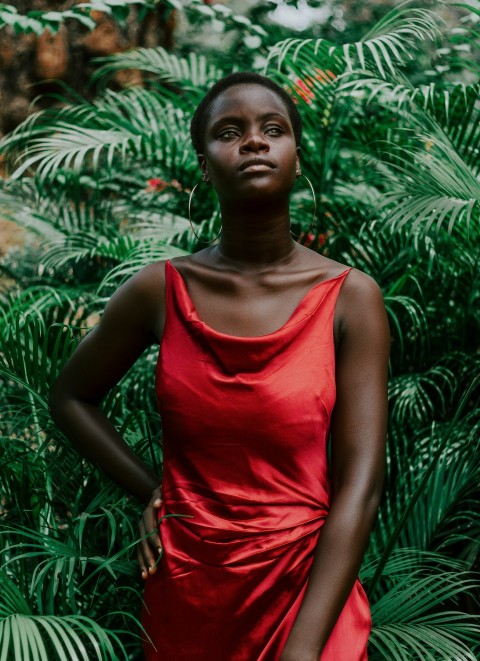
(362, 497)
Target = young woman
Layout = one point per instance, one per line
(266, 349)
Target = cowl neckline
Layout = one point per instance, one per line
(304, 309)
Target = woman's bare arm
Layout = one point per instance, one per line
(131, 322)
(358, 429)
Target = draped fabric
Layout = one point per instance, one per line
(245, 486)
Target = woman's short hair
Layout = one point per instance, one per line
(199, 119)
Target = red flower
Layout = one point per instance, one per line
(303, 87)
(322, 238)
(303, 91)
(156, 185)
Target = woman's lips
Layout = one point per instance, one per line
(256, 165)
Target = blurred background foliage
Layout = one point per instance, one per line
(99, 180)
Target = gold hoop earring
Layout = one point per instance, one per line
(299, 174)
(205, 180)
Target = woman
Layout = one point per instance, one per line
(266, 348)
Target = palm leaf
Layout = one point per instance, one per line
(432, 188)
(409, 616)
(139, 257)
(133, 124)
(193, 71)
(30, 339)
(416, 396)
(423, 482)
(391, 41)
(51, 637)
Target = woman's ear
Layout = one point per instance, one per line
(297, 162)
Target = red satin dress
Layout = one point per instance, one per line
(245, 425)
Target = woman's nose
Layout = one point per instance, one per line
(254, 141)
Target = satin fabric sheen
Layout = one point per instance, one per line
(245, 425)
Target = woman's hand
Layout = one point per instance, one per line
(150, 548)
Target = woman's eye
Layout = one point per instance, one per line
(274, 130)
(230, 133)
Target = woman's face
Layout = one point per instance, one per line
(249, 146)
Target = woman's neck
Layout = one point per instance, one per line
(256, 237)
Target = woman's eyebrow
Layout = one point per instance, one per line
(239, 119)
(227, 118)
(270, 115)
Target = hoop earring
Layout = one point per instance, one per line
(299, 174)
(204, 181)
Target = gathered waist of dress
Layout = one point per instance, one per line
(243, 516)
(204, 536)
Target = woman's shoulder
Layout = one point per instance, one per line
(149, 281)
(140, 300)
(360, 298)
(360, 307)
(326, 268)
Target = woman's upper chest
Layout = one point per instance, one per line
(252, 304)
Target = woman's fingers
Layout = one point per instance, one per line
(149, 556)
(157, 495)
(150, 521)
(144, 553)
(149, 549)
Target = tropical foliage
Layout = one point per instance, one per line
(37, 21)
(102, 189)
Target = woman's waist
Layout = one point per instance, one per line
(193, 532)
(242, 516)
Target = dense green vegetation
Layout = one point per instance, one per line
(102, 189)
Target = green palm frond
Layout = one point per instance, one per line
(412, 599)
(404, 561)
(70, 147)
(133, 124)
(450, 492)
(431, 188)
(416, 397)
(456, 110)
(451, 106)
(150, 225)
(59, 565)
(412, 614)
(49, 304)
(425, 480)
(114, 246)
(21, 211)
(391, 42)
(463, 42)
(395, 37)
(87, 246)
(447, 636)
(29, 338)
(295, 54)
(404, 314)
(426, 163)
(139, 257)
(443, 515)
(193, 71)
(24, 635)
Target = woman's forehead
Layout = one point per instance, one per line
(246, 98)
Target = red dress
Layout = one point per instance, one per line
(245, 425)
